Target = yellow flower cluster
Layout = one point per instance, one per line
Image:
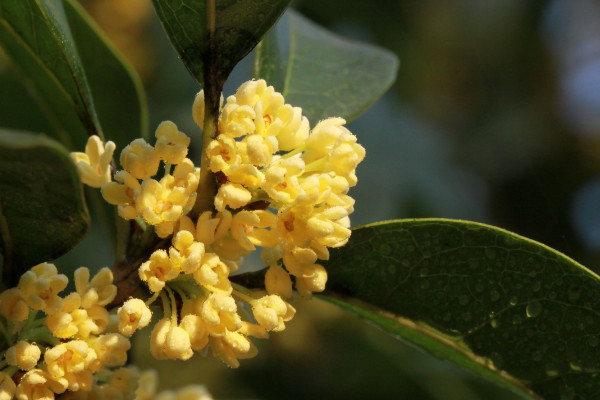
(133, 190)
(282, 187)
(67, 349)
(264, 155)
(196, 268)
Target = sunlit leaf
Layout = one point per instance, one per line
(37, 37)
(238, 26)
(501, 305)
(42, 212)
(117, 92)
(321, 72)
(76, 76)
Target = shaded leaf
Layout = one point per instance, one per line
(36, 36)
(117, 91)
(238, 26)
(42, 212)
(321, 72)
(501, 305)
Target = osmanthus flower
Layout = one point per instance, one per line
(35, 385)
(266, 155)
(134, 314)
(94, 165)
(71, 354)
(171, 144)
(13, 305)
(40, 287)
(83, 313)
(136, 192)
(168, 340)
(140, 159)
(25, 355)
(7, 387)
(122, 192)
(68, 365)
(281, 187)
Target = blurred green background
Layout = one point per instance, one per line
(494, 117)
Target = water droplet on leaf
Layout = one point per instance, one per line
(534, 308)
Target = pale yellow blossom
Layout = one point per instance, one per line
(93, 166)
(25, 355)
(271, 312)
(282, 179)
(336, 145)
(13, 305)
(72, 320)
(213, 274)
(196, 329)
(99, 291)
(157, 270)
(231, 195)
(222, 153)
(249, 228)
(7, 387)
(219, 311)
(231, 347)
(140, 159)
(170, 341)
(186, 253)
(171, 144)
(68, 365)
(278, 281)
(148, 383)
(134, 314)
(111, 350)
(40, 287)
(35, 385)
(122, 192)
(122, 384)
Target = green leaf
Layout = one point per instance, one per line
(117, 91)
(501, 305)
(36, 36)
(238, 26)
(42, 212)
(81, 83)
(325, 74)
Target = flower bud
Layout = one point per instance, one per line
(134, 314)
(24, 354)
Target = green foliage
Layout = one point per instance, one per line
(42, 212)
(70, 68)
(37, 37)
(325, 74)
(499, 304)
(118, 96)
(212, 43)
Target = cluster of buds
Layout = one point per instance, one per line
(282, 187)
(265, 155)
(60, 345)
(196, 270)
(133, 190)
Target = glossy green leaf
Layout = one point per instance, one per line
(501, 305)
(81, 83)
(238, 26)
(42, 212)
(117, 91)
(321, 72)
(36, 36)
